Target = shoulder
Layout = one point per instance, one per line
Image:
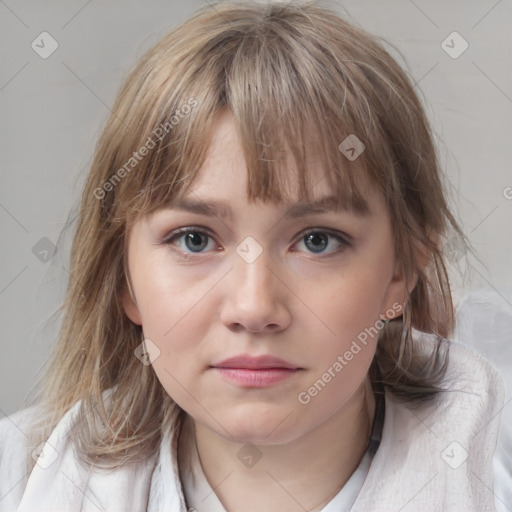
(484, 322)
(472, 385)
(60, 479)
(14, 430)
(473, 408)
(442, 451)
(468, 370)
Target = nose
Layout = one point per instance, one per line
(255, 297)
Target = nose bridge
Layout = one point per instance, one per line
(253, 297)
(253, 270)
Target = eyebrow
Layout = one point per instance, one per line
(223, 210)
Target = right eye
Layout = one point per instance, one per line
(189, 239)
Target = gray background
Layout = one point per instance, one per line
(52, 110)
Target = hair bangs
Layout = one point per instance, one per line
(285, 129)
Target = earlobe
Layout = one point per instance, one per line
(130, 307)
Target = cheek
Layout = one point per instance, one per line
(180, 361)
(338, 380)
(174, 327)
(350, 314)
(169, 318)
(168, 301)
(353, 304)
(357, 294)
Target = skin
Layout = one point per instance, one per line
(291, 302)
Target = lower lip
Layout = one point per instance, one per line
(254, 378)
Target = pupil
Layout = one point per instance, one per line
(195, 239)
(317, 237)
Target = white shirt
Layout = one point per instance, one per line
(437, 457)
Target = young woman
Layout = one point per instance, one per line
(258, 309)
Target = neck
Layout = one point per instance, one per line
(303, 474)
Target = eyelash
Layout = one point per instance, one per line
(344, 243)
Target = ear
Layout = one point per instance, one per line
(129, 305)
(398, 290)
(396, 294)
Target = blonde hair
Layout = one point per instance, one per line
(295, 76)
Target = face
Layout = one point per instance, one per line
(252, 283)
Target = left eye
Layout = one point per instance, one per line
(317, 241)
(196, 240)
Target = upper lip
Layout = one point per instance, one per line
(260, 362)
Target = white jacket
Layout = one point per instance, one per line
(438, 457)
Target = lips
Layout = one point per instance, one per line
(256, 363)
(246, 371)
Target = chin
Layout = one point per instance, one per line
(259, 425)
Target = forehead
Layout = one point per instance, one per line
(224, 175)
